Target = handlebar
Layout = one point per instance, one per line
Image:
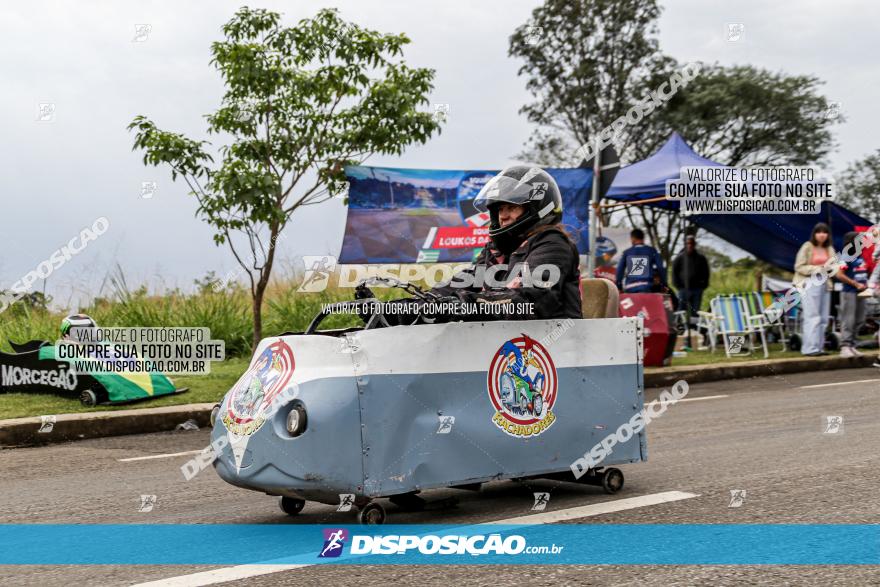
(377, 319)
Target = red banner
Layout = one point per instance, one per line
(867, 252)
(456, 237)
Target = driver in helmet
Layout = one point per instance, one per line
(532, 262)
(76, 320)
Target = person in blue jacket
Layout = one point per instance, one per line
(640, 266)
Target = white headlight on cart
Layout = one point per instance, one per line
(296, 420)
(215, 412)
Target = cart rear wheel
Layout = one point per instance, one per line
(291, 506)
(88, 398)
(612, 480)
(372, 513)
(794, 342)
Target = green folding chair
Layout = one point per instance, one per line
(759, 305)
(730, 317)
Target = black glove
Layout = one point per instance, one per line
(362, 292)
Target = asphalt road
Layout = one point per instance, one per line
(764, 436)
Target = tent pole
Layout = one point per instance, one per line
(687, 304)
(634, 203)
(594, 209)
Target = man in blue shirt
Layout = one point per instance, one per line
(640, 266)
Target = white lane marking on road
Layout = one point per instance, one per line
(163, 456)
(219, 575)
(693, 399)
(697, 399)
(840, 383)
(245, 571)
(597, 509)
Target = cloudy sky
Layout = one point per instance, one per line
(84, 58)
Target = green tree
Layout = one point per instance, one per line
(716, 259)
(587, 62)
(746, 116)
(738, 116)
(858, 187)
(300, 103)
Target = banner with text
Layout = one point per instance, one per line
(428, 216)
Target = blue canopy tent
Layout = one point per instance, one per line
(774, 238)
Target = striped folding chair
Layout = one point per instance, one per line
(759, 304)
(730, 317)
(789, 324)
(753, 303)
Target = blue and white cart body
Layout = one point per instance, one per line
(391, 411)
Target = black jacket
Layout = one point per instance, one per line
(697, 271)
(558, 300)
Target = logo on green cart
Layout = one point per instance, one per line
(522, 387)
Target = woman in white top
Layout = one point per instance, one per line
(815, 297)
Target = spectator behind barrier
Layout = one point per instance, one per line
(690, 276)
(640, 267)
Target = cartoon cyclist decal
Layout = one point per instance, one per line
(522, 387)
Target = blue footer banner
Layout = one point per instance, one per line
(611, 544)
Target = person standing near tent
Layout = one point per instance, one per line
(852, 307)
(815, 299)
(640, 266)
(690, 276)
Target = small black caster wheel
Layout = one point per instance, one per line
(794, 343)
(612, 480)
(291, 506)
(87, 397)
(832, 342)
(372, 513)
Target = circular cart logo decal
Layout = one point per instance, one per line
(522, 387)
(248, 403)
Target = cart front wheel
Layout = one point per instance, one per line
(88, 398)
(291, 506)
(612, 480)
(372, 513)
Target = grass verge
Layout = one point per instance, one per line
(707, 357)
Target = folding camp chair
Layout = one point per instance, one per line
(789, 323)
(729, 317)
(706, 323)
(758, 306)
